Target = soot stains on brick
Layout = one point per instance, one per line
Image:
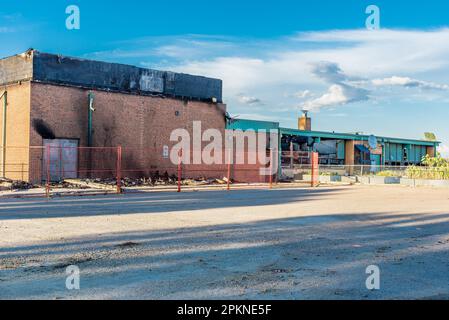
(43, 129)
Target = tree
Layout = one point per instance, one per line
(429, 136)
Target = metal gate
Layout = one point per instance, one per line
(60, 159)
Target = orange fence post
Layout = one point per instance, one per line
(315, 169)
(47, 186)
(119, 169)
(61, 165)
(229, 170)
(179, 169)
(276, 171)
(271, 169)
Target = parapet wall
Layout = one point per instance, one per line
(90, 74)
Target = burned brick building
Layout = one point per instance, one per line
(50, 99)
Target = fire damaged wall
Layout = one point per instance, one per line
(141, 124)
(134, 107)
(50, 68)
(57, 69)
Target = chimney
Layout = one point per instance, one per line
(305, 123)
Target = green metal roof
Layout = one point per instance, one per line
(245, 124)
(351, 136)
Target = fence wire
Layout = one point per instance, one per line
(116, 168)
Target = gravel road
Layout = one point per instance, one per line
(246, 244)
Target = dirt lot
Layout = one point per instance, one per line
(264, 244)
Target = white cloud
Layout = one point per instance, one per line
(248, 99)
(176, 48)
(383, 51)
(336, 67)
(337, 94)
(341, 92)
(444, 150)
(329, 72)
(258, 116)
(269, 68)
(268, 65)
(302, 94)
(409, 83)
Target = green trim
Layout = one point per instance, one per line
(245, 124)
(359, 137)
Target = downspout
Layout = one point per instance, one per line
(5, 104)
(91, 109)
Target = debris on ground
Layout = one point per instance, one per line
(155, 179)
(14, 185)
(89, 184)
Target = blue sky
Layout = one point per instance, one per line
(275, 57)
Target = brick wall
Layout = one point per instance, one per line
(17, 130)
(140, 124)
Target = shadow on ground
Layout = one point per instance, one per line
(159, 202)
(312, 257)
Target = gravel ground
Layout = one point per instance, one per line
(246, 244)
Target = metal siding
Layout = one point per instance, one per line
(387, 152)
(63, 162)
(392, 152)
(416, 152)
(245, 124)
(341, 150)
(419, 153)
(423, 153)
(410, 153)
(357, 137)
(375, 158)
(399, 153)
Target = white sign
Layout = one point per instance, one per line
(165, 152)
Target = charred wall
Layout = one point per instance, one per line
(50, 68)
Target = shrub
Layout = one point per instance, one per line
(328, 173)
(388, 173)
(435, 168)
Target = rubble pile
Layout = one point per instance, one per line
(67, 185)
(155, 179)
(14, 185)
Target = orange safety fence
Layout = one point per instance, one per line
(126, 167)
